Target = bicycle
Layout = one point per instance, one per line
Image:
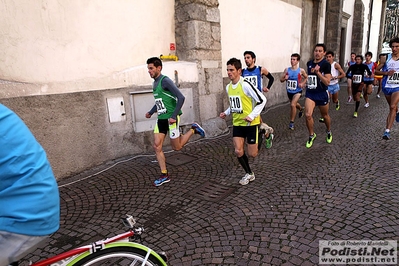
(117, 250)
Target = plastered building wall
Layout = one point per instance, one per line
(63, 41)
(375, 29)
(270, 37)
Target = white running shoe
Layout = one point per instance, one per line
(247, 178)
(366, 105)
(350, 99)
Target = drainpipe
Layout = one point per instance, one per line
(381, 37)
(370, 18)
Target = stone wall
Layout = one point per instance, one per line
(198, 39)
(74, 128)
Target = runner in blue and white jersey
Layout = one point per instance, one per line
(390, 84)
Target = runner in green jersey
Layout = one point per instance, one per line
(168, 103)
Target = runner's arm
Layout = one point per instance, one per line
(153, 110)
(168, 84)
(304, 78)
(369, 73)
(378, 70)
(269, 76)
(326, 77)
(340, 70)
(257, 96)
(348, 73)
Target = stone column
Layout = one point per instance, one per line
(333, 26)
(198, 39)
(358, 24)
(309, 29)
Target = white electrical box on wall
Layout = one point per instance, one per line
(116, 109)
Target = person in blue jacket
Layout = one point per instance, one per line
(29, 197)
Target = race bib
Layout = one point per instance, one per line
(291, 85)
(253, 80)
(161, 109)
(356, 79)
(312, 82)
(236, 104)
(394, 79)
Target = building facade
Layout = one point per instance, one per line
(75, 71)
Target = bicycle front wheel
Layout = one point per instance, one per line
(120, 255)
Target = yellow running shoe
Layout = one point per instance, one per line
(329, 137)
(309, 143)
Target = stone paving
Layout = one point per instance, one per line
(344, 190)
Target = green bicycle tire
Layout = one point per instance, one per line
(125, 250)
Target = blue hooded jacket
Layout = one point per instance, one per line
(29, 197)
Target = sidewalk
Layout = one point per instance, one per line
(344, 190)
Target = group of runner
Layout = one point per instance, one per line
(372, 66)
(362, 76)
(246, 98)
(321, 82)
(322, 85)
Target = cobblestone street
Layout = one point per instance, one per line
(344, 190)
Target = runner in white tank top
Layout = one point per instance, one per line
(336, 73)
(390, 84)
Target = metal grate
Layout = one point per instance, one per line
(179, 159)
(212, 192)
